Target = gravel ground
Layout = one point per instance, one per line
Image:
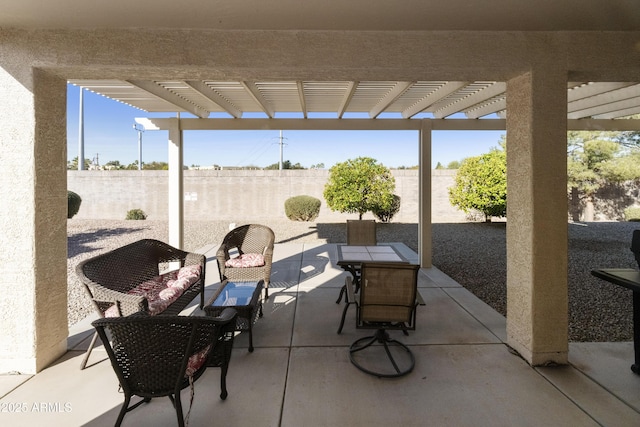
(473, 254)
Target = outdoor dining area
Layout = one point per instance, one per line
(296, 361)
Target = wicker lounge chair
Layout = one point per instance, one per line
(254, 246)
(110, 278)
(387, 301)
(156, 356)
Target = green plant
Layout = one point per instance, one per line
(302, 208)
(632, 213)
(136, 214)
(359, 186)
(481, 184)
(73, 203)
(385, 215)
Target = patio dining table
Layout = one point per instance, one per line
(630, 279)
(350, 257)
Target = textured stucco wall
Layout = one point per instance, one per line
(537, 295)
(33, 231)
(237, 195)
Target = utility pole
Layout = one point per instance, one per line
(281, 150)
(140, 129)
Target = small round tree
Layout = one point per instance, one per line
(481, 184)
(359, 186)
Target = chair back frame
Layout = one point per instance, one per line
(150, 354)
(361, 232)
(249, 238)
(388, 296)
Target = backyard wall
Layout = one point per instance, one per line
(235, 195)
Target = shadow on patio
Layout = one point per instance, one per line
(300, 374)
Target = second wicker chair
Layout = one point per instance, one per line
(253, 241)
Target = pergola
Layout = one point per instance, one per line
(536, 68)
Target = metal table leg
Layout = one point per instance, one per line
(636, 332)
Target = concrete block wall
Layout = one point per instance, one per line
(234, 195)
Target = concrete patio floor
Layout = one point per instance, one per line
(300, 373)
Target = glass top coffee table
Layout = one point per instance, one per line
(244, 297)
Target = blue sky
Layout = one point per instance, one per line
(109, 134)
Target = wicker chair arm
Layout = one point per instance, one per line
(227, 315)
(194, 259)
(127, 304)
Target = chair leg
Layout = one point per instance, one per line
(343, 291)
(383, 338)
(344, 314)
(178, 405)
(223, 382)
(250, 337)
(83, 364)
(123, 410)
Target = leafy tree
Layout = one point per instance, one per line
(481, 184)
(439, 166)
(113, 165)
(285, 165)
(133, 166)
(630, 139)
(597, 158)
(158, 166)
(358, 186)
(73, 164)
(453, 165)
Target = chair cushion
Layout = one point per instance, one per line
(246, 260)
(161, 291)
(196, 361)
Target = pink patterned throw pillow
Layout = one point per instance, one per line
(162, 291)
(246, 260)
(197, 360)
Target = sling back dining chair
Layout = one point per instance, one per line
(387, 301)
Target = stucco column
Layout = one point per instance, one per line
(33, 184)
(176, 185)
(537, 307)
(425, 240)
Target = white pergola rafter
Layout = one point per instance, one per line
(419, 99)
(163, 93)
(303, 103)
(206, 91)
(255, 93)
(474, 98)
(346, 99)
(398, 89)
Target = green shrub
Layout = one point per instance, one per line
(136, 214)
(358, 186)
(73, 203)
(632, 213)
(385, 215)
(302, 208)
